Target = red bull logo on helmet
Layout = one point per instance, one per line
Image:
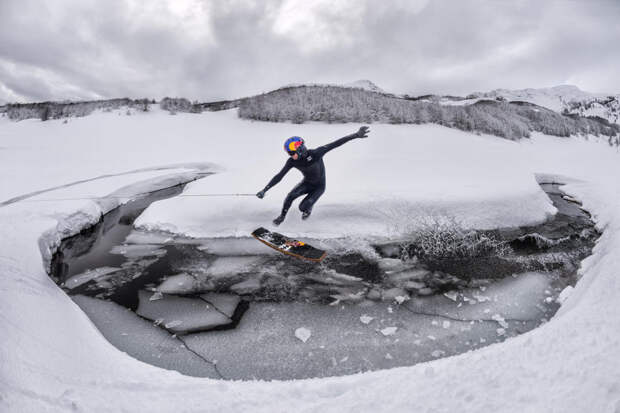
(292, 144)
(292, 147)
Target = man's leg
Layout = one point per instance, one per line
(306, 205)
(299, 190)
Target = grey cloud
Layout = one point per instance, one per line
(76, 49)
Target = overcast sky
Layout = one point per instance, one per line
(208, 49)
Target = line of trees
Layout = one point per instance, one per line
(510, 120)
(58, 110)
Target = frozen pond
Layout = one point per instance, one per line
(235, 309)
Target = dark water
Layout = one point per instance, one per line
(556, 247)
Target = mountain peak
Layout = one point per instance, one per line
(364, 84)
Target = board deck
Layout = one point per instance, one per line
(289, 246)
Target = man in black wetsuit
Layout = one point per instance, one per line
(310, 163)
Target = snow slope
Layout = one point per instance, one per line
(52, 358)
(562, 98)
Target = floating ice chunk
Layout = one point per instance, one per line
(331, 275)
(501, 331)
(97, 274)
(390, 264)
(248, 286)
(225, 303)
(148, 237)
(366, 319)
(138, 250)
(303, 334)
(224, 266)
(409, 275)
(388, 356)
(414, 285)
(194, 313)
(438, 353)
(178, 284)
(388, 331)
(451, 295)
(156, 296)
(401, 298)
(235, 247)
(446, 324)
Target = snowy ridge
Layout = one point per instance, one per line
(358, 84)
(562, 99)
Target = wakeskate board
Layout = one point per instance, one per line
(286, 245)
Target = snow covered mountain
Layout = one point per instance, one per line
(562, 99)
(366, 85)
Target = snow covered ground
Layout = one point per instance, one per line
(52, 358)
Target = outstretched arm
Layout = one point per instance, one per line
(277, 178)
(361, 133)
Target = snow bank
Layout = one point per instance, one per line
(387, 184)
(52, 358)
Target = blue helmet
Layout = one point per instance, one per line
(295, 144)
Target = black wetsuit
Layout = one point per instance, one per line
(313, 169)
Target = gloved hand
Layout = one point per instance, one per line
(261, 194)
(363, 132)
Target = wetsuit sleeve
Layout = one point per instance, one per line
(274, 181)
(322, 150)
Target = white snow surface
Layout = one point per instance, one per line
(52, 358)
(388, 184)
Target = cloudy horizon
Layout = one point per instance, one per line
(210, 50)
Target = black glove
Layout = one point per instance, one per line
(363, 132)
(261, 194)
